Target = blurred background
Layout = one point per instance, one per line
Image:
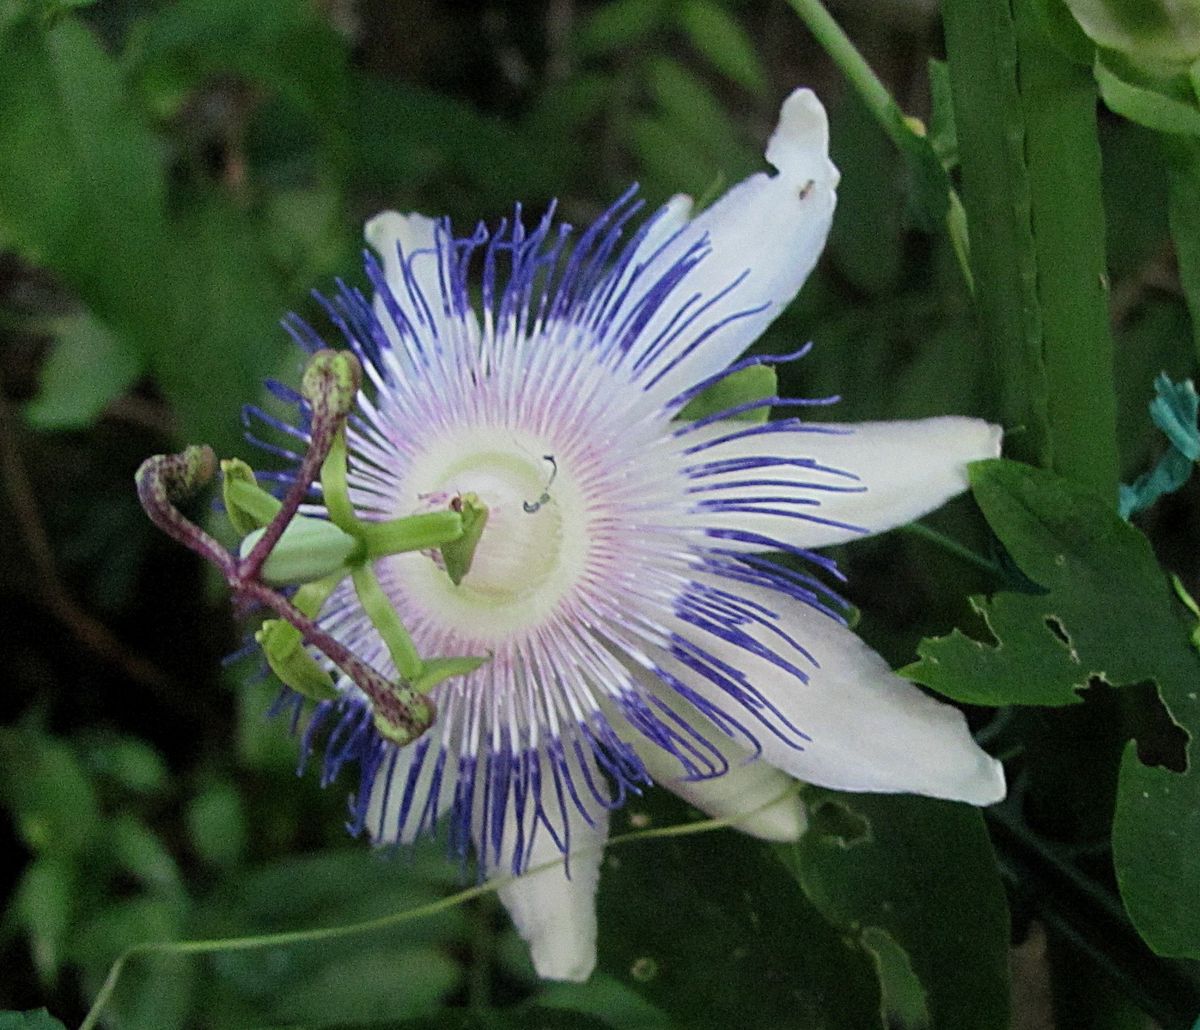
(174, 177)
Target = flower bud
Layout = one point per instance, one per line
(331, 381)
(310, 549)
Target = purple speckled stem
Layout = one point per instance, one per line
(324, 429)
(166, 478)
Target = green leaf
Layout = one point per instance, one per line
(43, 905)
(1144, 104)
(914, 881)
(524, 1017)
(33, 1019)
(614, 26)
(217, 824)
(223, 337)
(372, 983)
(140, 853)
(714, 932)
(1183, 163)
(603, 998)
(1062, 152)
(129, 762)
(82, 189)
(689, 107)
(88, 368)
(723, 42)
(45, 787)
(1060, 26)
(1107, 610)
(750, 384)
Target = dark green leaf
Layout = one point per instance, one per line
(140, 853)
(723, 43)
(1060, 26)
(1062, 154)
(88, 368)
(34, 1019)
(525, 1017)
(1107, 610)
(371, 983)
(1183, 163)
(615, 26)
(46, 789)
(603, 998)
(129, 762)
(43, 904)
(224, 338)
(867, 235)
(713, 931)
(915, 882)
(81, 186)
(288, 48)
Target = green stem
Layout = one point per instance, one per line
(854, 66)
(1062, 152)
(1027, 140)
(275, 940)
(411, 533)
(909, 140)
(335, 489)
(384, 618)
(982, 49)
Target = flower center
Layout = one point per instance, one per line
(535, 547)
(520, 546)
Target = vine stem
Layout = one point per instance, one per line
(853, 65)
(275, 940)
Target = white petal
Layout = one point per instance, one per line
(409, 246)
(391, 788)
(750, 785)
(770, 227)
(852, 481)
(391, 234)
(556, 913)
(868, 729)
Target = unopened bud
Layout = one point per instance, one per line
(331, 382)
(168, 478)
(402, 716)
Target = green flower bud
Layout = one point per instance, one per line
(310, 549)
(248, 505)
(331, 381)
(1162, 35)
(402, 716)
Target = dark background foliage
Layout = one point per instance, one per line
(176, 176)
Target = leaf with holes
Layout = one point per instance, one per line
(1107, 611)
(914, 881)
